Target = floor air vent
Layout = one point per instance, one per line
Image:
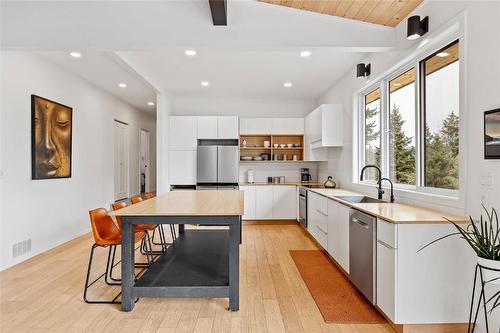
(21, 248)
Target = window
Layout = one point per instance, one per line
(440, 91)
(372, 132)
(415, 141)
(402, 128)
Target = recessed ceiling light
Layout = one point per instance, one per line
(190, 53)
(151, 103)
(205, 83)
(75, 54)
(122, 85)
(305, 54)
(287, 84)
(442, 54)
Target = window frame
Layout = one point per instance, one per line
(382, 82)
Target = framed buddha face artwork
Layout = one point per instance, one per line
(51, 127)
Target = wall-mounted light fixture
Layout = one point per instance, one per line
(363, 70)
(417, 28)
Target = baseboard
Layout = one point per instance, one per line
(270, 222)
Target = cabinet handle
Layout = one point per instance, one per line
(321, 229)
(385, 244)
(321, 212)
(361, 223)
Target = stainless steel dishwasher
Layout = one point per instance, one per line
(363, 253)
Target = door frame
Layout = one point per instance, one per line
(126, 157)
(148, 169)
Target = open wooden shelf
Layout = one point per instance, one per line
(255, 147)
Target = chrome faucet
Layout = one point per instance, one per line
(380, 190)
(392, 187)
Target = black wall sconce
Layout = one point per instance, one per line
(363, 70)
(417, 28)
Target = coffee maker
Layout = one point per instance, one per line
(305, 176)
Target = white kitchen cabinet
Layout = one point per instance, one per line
(287, 126)
(310, 154)
(338, 233)
(182, 167)
(228, 127)
(317, 218)
(249, 201)
(386, 279)
(323, 128)
(264, 202)
(207, 127)
(256, 126)
(284, 202)
(182, 133)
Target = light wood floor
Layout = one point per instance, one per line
(44, 294)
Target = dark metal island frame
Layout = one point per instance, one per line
(200, 263)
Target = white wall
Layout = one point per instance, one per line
(482, 81)
(51, 212)
(243, 107)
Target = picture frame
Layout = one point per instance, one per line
(492, 134)
(51, 139)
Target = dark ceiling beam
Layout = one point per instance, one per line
(219, 11)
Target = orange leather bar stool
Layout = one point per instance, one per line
(106, 234)
(139, 227)
(163, 241)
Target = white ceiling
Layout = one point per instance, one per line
(243, 72)
(106, 71)
(143, 43)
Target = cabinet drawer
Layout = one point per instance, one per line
(317, 203)
(387, 233)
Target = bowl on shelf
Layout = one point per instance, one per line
(257, 158)
(276, 145)
(289, 145)
(265, 157)
(246, 158)
(282, 145)
(296, 145)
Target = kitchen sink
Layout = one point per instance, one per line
(359, 199)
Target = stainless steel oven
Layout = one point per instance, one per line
(303, 206)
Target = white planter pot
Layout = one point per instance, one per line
(490, 275)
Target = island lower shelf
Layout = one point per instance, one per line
(197, 263)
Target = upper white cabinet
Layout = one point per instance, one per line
(325, 126)
(227, 127)
(271, 126)
(182, 167)
(207, 127)
(287, 126)
(182, 133)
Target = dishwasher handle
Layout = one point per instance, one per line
(360, 223)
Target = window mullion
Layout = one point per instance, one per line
(384, 129)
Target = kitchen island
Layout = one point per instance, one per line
(200, 263)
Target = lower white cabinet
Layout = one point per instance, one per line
(182, 167)
(338, 233)
(284, 202)
(264, 202)
(317, 218)
(249, 201)
(386, 279)
(270, 202)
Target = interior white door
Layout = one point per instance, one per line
(144, 161)
(121, 160)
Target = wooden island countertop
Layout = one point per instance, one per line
(188, 203)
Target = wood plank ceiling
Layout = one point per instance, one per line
(384, 12)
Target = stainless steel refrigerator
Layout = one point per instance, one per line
(217, 164)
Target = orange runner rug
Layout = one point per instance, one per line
(336, 297)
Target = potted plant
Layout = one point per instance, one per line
(483, 237)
